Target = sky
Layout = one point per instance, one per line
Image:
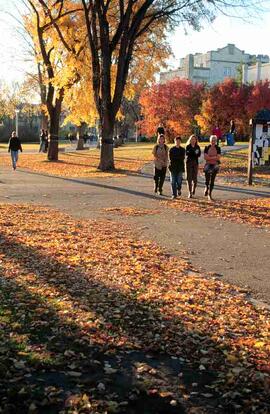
(252, 37)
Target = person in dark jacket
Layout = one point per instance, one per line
(177, 166)
(160, 130)
(212, 155)
(193, 153)
(42, 138)
(14, 146)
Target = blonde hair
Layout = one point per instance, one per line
(190, 138)
(213, 137)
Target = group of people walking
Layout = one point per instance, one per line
(179, 159)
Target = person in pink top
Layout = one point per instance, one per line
(217, 132)
(212, 155)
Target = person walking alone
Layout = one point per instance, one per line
(177, 167)
(42, 138)
(14, 146)
(212, 157)
(160, 153)
(193, 153)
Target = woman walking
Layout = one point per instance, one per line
(177, 167)
(160, 153)
(193, 153)
(14, 146)
(212, 157)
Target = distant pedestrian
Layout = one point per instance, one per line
(42, 139)
(177, 167)
(14, 146)
(232, 127)
(217, 132)
(160, 153)
(46, 140)
(193, 153)
(160, 130)
(212, 157)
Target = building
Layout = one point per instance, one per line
(255, 73)
(213, 66)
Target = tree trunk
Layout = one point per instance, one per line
(53, 136)
(44, 121)
(80, 133)
(55, 113)
(106, 162)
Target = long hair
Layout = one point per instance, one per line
(190, 138)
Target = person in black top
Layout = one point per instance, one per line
(14, 146)
(193, 153)
(42, 138)
(160, 130)
(176, 166)
(232, 127)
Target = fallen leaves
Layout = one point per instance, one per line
(254, 211)
(73, 164)
(234, 165)
(95, 321)
(130, 211)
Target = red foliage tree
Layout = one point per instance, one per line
(173, 104)
(259, 98)
(223, 102)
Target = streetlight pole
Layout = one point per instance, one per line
(17, 111)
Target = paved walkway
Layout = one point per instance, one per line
(238, 253)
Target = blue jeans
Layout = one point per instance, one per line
(14, 158)
(176, 182)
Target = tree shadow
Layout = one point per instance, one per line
(69, 344)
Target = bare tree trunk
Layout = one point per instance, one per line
(106, 149)
(53, 137)
(55, 113)
(44, 121)
(80, 133)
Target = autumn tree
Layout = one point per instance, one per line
(57, 72)
(174, 104)
(259, 98)
(114, 28)
(224, 101)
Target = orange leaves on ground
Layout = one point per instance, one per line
(82, 303)
(234, 169)
(130, 211)
(250, 211)
(73, 164)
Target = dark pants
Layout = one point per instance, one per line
(210, 175)
(192, 173)
(159, 178)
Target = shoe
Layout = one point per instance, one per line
(155, 190)
(193, 190)
(160, 192)
(173, 197)
(210, 197)
(190, 195)
(179, 192)
(206, 191)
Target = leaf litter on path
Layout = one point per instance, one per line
(83, 303)
(255, 212)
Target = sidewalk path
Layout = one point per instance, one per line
(238, 253)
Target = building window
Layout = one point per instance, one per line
(227, 72)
